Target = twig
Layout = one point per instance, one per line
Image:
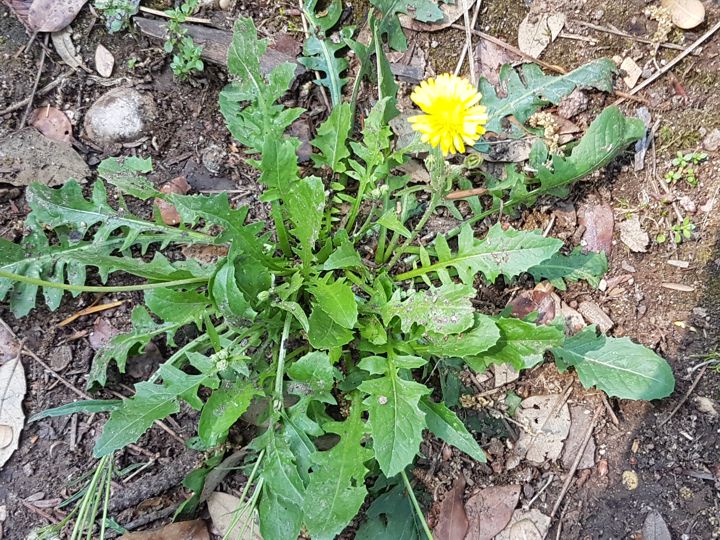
(609, 410)
(551, 67)
(685, 397)
(465, 193)
(160, 13)
(576, 461)
(549, 226)
(626, 35)
(468, 43)
(44, 90)
(699, 41)
(35, 85)
(527, 506)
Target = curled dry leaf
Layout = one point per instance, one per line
(104, 61)
(12, 419)
(52, 122)
(490, 510)
(526, 525)
(541, 300)
(185, 530)
(599, 225)
(64, 46)
(452, 521)
(536, 32)
(53, 15)
(222, 508)
(168, 212)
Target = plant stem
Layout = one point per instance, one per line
(91, 288)
(416, 505)
(356, 204)
(280, 373)
(435, 199)
(280, 229)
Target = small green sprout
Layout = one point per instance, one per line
(683, 231)
(684, 168)
(117, 13)
(186, 54)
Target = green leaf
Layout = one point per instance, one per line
(344, 256)
(151, 402)
(445, 425)
(91, 406)
(248, 104)
(443, 310)
(501, 252)
(331, 139)
(390, 221)
(174, 306)
(482, 336)
(315, 370)
(296, 311)
(228, 297)
(396, 421)
(421, 10)
(320, 55)
(279, 167)
(144, 329)
(325, 333)
(305, 204)
(283, 492)
(560, 268)
(387, 87)
(128, 176)
(336, 299)
(222, 409)
(391, 516)
(522, 344)
(325, 18)
(616, 366)
(530, 89)
(337, 489)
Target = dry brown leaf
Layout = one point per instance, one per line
(489, 57)
(222, 508)
(490, 510)
(64, 46)
(9, 344)
(686, 14)
(540, 300)
(102, 333)
(536, 32)
(51, 122)
(599, 224)
(12, 418)
(655, 527)
(504, 374)
(547, 427)
(633, 235)
(581, 417)
(594, 314)
(185, 530)
(452, 521)
(168, 212)
(104, 61)
(526, 525)
(20, 8)
(53, 15)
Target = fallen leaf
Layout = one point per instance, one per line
(12, 419)
(102, 333)
(581, 418)
(489, 57)
(452, 522)
(536, 32)
(53, 15)
(64, 46)
(204, 253)
(540, 300)
(599, 225)
(526, 525)
(20, 8)
(631, 71)
(547, 427)
(706, 406)
(168, 212)
(504, 374)
(511, 151)
(218, 474)
(686, 14)
(223, 509)
(9, 344)
(633, 235)
(104, 61)
(574, 321)
(490, 510)
(51, 122)
(594, 314)
(452, 11)
(185, 530)
(655, 527)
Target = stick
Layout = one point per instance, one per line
(576, 461)
(159, 13)
(44, 90)
(468, 39)
(608, 408)
(626, 35)
(685, 397)
(465, 193)
(699, 41)
(34, 88)
(468, 43)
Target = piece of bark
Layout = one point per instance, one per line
(215, 44)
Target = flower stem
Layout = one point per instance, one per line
(91, 288)
(416, 505)
(432, 205)
(280, 373)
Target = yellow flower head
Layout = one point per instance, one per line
(452, 116)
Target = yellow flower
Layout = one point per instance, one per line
(452, 116)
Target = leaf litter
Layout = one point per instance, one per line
(489, 511)
(547, 427)
(452, 520)
(223, 509)
(12, 392)
(184, 530)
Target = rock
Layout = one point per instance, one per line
(711, 142)
(61, 358)
(595, 315)
(632, 72)
(213, 158)
(688, 204)
(121, 115)
(27, 156)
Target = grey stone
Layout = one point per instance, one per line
(711, 142)
(119, 116)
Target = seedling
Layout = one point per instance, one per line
(683, 231)
(117, 13)
(684, 168)
(186, 54)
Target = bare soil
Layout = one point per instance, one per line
(677, 462)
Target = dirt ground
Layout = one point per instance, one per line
(677, 462)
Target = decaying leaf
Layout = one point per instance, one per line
(53, 15)
(633, 235)
(526, 525)
(103, 331)
(452, 521)
(547, 427)
(489, 57)
(504, 374)
(536, 32)
(223, 508)
(490, 510)
(655, 527)
(599, 224)
(184, 530)
(168, 212)
(104, 61)
(64, 46)
(594, 314)
(9, 345)
(51, 122)
(686, 14)
(581, 419)
(540, 300)
(12, 419)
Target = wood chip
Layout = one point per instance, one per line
(678, 287)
